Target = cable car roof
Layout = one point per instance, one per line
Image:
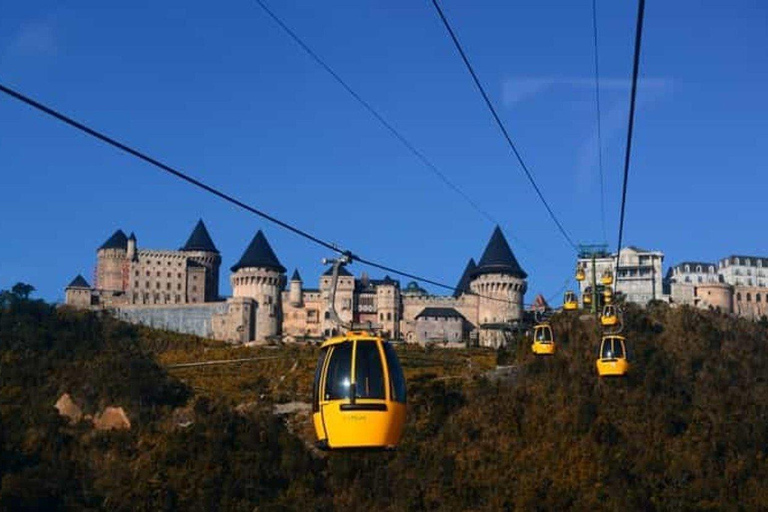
(350, 336)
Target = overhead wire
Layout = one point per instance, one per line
(501, 126)
(376, 114)
(630, 125)
(222, 195)
(599, 119)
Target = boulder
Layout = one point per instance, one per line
(112, 418)
(68, 408)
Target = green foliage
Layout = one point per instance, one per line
(686, 429)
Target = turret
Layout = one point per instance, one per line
(78, 293)
(500, 283)
(259, 275)
(201, 252)
(294, 295)
(131, 251)
(111, 262)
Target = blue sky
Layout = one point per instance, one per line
(220, 91)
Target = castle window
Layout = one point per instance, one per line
(749, 297)
(146, 284)
(327, 315)
(178, 286)
(158, 274)
(136, 273)
(757, 297)
(389, 316)
(147, 273)
(194, 278)
(179, 275)
(157, 285)
(168, 286)
(194, 288)
(169, 274)
(738, 296)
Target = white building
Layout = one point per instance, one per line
(744, 270)
(639, 278)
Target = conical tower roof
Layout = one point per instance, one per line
(296, 276)
(200, 240)
(498, 258)
(259, 254)
(463, 285)
(118, 240)
(79, 282)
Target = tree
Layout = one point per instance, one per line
(22, 290)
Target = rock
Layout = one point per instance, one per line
(68, 408)
(113, 418)
(292, 408)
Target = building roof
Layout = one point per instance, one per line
(439, 313)
(342, 272)
(498, 258)
(463, 285)
(200, 240)
(414, 289)
(259, 254)
(79, 282)
(296, 276)
(704, 265)
(118, 240)
(753, 259)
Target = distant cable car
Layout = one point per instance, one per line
(569, 301)
(612, 358)
(610, 316)
(587, 296)
(579, 273)
(607, 277)
(607, 295)
(359, 393)
(543, 340)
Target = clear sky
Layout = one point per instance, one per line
(217, 89)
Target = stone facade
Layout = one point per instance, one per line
(640, 276)
(178, 290)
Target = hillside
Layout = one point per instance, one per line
(686, 430)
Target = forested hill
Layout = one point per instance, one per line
(687, 429)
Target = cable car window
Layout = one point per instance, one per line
(339, 374)
(318, 373)
(607, 352)
(369, 372)
(543, 334)
(396, 377)
(618, 348)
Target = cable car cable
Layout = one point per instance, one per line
(599, 116)
(375, 113)
(501, 126)
(222, 195)
(630, 127)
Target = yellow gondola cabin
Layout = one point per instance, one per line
(543, 340)
(607, 296)
(607, 278)
(359, 393)
(569, 301)
(580, 274)
(610, 317)
(612, 358)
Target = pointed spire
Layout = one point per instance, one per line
(132, 236)
(296, 276)
(463, 285)
(79, 282)
(498, 258)
(118, 240)
(200, 240)
(259, 254)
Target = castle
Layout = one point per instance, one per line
(179, 290)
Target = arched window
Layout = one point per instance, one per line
(712, 269)
(757, 297)
(738, 296)
(687, 268)
(698, 268)
(749, 297)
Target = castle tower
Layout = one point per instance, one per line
(131, 248)
(388, 302)
(78, 293)
(463, 286)
(203, 261)
(294, 296)
(500, 283)
(345, 291)
(260, 276)
(112, 263)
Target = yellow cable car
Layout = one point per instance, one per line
(607, 295)
(587, 296)
(543, 340)
(607, 278)
(359, 393)
(612, 358)
(610, 316)
(580, 274)
(569, 301)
